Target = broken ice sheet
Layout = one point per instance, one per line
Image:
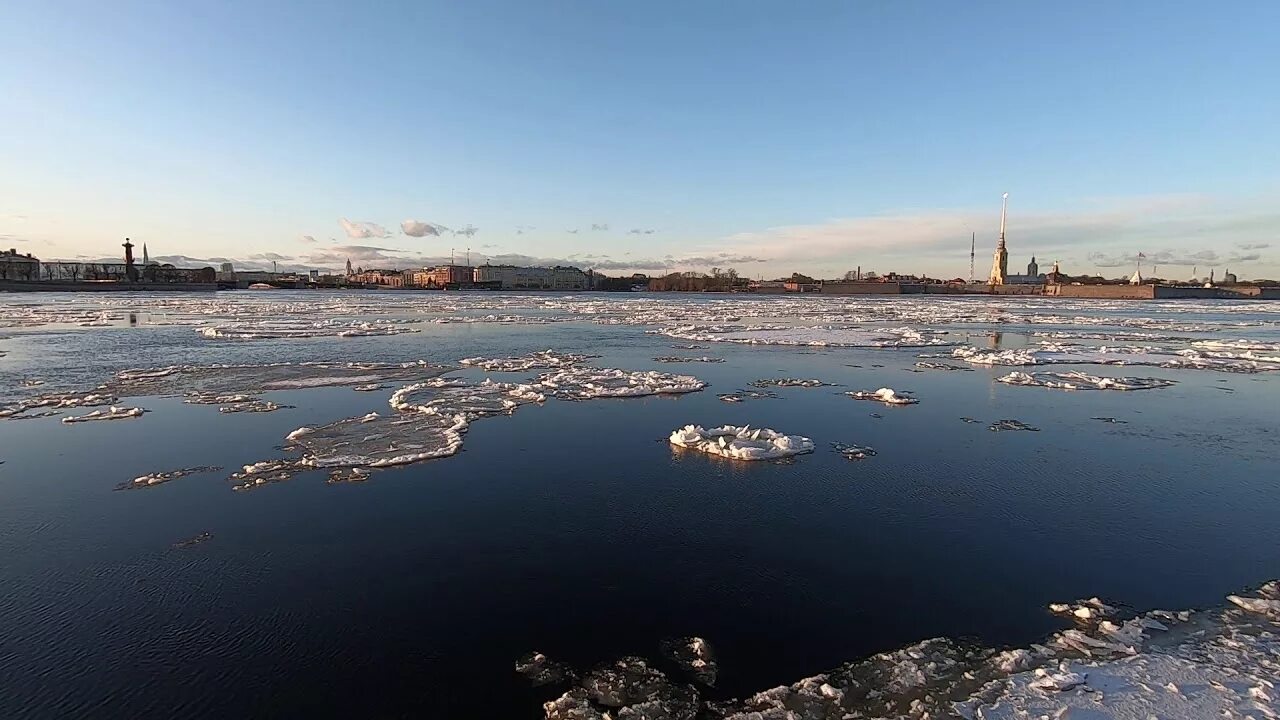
(193, 540)
(541, 670)
(790, 382)
(369, 441)
(888, 396)
(159, 478)
(1001, 425)
(741, 442)
(112, 413)
(853, 452)
(678, 359)
(744, 395)
(1077, 380)
(542, 360)
(583, 383)
(694, 656)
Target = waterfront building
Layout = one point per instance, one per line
(511, 277)
(15, 266)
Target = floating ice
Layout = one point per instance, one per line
(455, 397)
(369, 441)
(815, 336)
(888, 396)
(790, 382)
(543, 360)
(57, 401)
(853, 452)
(159, 478)
(970, 420)
(279, 329)
(934, 365)
(541, 670)
(1077, 380)
(743, 395)
(1111, 420)
(1268, 604)
(741, 443)
(112, 413)
(676, 359)
(254, 406)
(1001, 425)
(581, 383)
(371, 387)
(1059, 681)
(194, 540)
(694, 655)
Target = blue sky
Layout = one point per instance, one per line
(768, 137)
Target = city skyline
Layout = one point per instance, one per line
(652, 139)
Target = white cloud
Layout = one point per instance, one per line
(306, 239)
(357, 230)
(419, 228)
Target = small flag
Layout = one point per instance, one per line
(1141, 256)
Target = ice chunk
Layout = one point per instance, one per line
(361, 442)
(790, 382)
(677, 359)
(1001, 425)
(1077, 380)
(581, 383)
(159, 478)
(112, 413)
(853, 452)
(741, 443)
(626, 681)
(1059, 681)
(194, 540)
(455, 397)
(574, 705)
(934, 365)
(743, 395)
(693, 655)
(888, 396)
(541, 670)
(543, 360)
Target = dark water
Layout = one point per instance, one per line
(574, 529)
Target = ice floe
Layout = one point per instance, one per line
(814, 336)
(888, 396)
(542, 360)
(678, 359)
(456, 397)
(283, 330)
(582, 383)
(365, 442)
(934, 365)
(203, 537)
(790, 382)
(160, 478)
(1077, 380)
(541, 670)
(853, 452)
(741, 442)
(738, 396)
(1002, 425)
(112, 413)
(694, 656)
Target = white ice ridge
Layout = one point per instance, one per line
(542, 360)
(1050, 353)
(292, 329)
(57, 401)
(888, 396)
(112, 413)
(159, 478)
(582, 383)
(455, 397)
(741, 442)
(1077, 380)
(816, 336)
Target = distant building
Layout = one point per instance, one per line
(385, 278)
(1228, 277)
(1000, 262)
(14, 266)
(1032, 268)
(442, 276)
(511, 277)
(1137, 278)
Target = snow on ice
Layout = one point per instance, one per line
(741, 442)
(1077, 380)
(888, 396)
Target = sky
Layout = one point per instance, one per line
(657, 136)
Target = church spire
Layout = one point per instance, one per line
(146, 259)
